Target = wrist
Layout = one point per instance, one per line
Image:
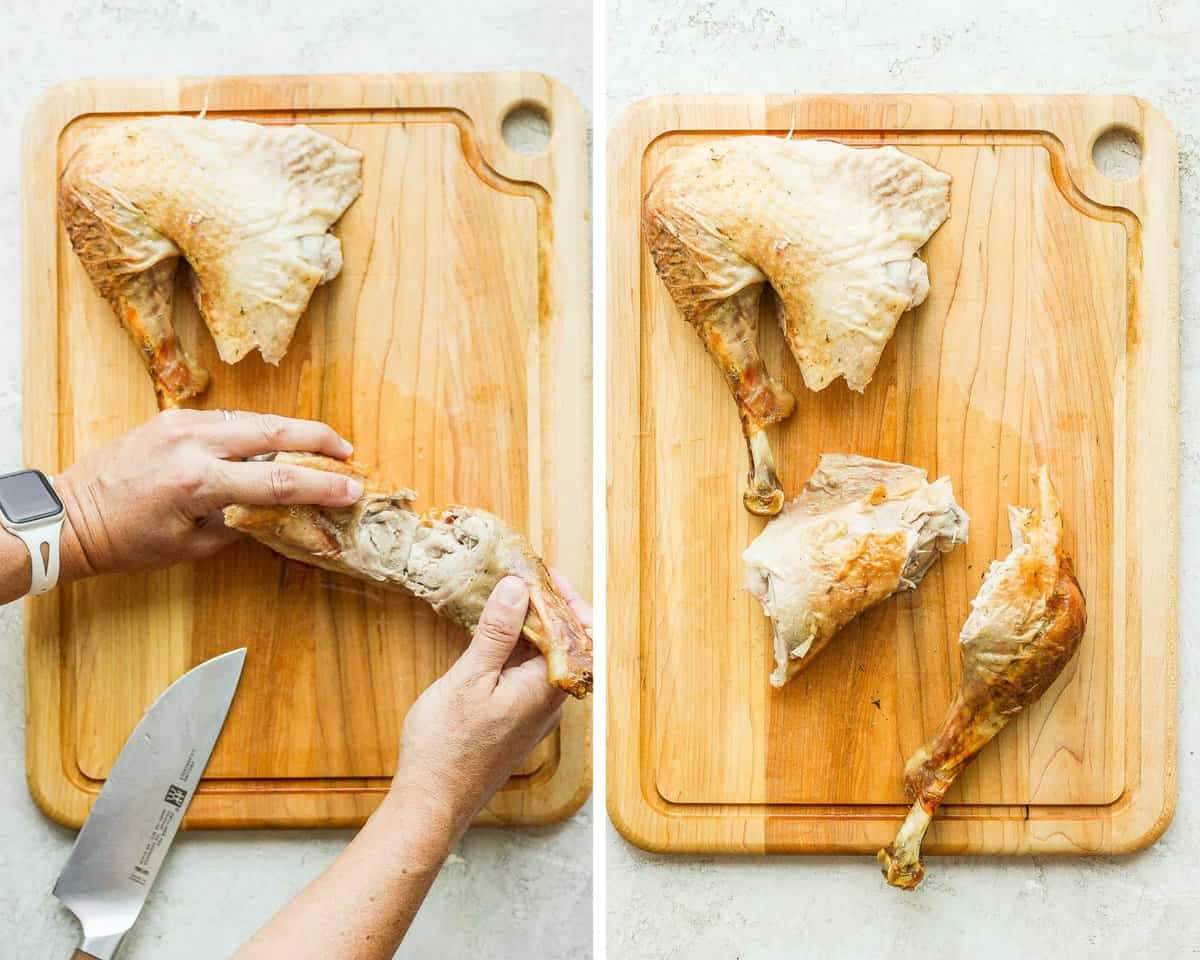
(15, 567)
(76, 555)
(16, 563)
(420, 833)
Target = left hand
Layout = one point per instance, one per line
(154, 496)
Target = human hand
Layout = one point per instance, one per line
(471, 728)
(154, 496)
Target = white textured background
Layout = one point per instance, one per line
(506, 893)
(1148, 904)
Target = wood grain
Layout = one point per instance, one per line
(1050, 335)
(453, 349)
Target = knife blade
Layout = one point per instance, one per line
(126, 836)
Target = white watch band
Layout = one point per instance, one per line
(45, 571)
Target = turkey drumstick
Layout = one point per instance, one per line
(833, 229)
(1025, 625)
(729, 330)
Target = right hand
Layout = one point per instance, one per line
(154, 496)
(471, 728)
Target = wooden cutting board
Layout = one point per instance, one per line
(453, 350)
(1051, 335)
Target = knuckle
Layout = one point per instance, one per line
(172, 424)
(188, 478)
(282, 483)
(493, 629)
(274, 430)
(554, 723)
(552, 719)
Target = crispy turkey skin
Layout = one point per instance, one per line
(451, 558)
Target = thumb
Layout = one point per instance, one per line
(499, 626)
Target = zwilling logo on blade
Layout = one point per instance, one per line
(175, 796)
(189, 767)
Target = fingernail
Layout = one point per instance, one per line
(510, 591)
(347, 447)
(354, 489)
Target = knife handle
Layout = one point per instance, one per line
(80, 955)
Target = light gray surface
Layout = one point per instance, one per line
(507, 893)
(838, 907)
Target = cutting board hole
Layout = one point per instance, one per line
(1117, 153)
(526, 128)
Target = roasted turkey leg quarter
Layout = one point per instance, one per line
(248, 206)
(1024, 627)
(833, 229)
(451, 558)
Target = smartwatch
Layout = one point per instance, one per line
(30, 509)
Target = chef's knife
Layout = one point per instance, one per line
(132, 823)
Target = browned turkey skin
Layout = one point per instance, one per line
(451, 558)
(1025, 626)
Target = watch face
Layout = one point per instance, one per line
(27, 496)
